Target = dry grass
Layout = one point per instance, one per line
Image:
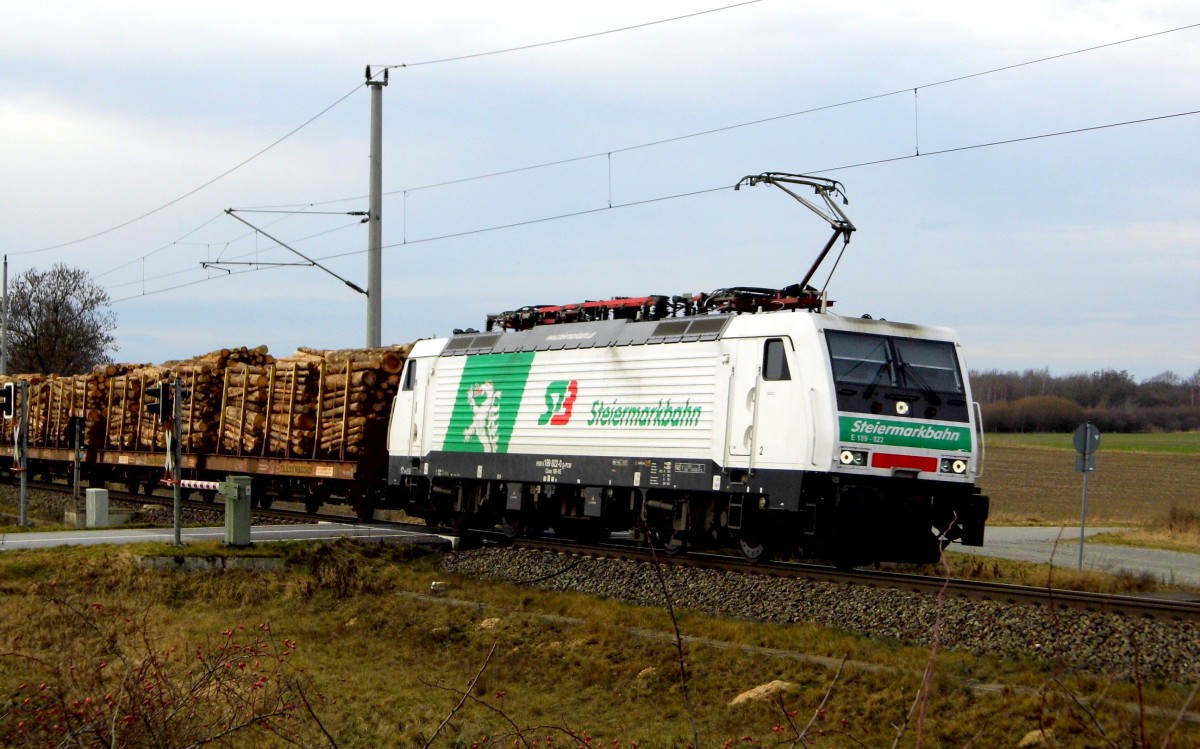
(389, 661)
(990, 569)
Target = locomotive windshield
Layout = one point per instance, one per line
(877, 361)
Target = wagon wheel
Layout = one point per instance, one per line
(261, 495)
(314, 497)
(364, 508)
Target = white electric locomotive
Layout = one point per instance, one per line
(846, 438)
(750, 417)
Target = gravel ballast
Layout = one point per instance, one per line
(1100, 643)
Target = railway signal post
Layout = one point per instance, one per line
(14, 398)
(169, 410)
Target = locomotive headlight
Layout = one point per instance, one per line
(958, 466)
(853, 458)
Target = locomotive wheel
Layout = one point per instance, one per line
(513, 524)
(675, 545)
(671, 543)
(845, 562)
(753, 548)
(587, 531)
(461, 522)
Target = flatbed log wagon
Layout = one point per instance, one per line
(308, 428)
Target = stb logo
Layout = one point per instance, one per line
(560, 399)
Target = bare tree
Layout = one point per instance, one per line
(58, 322)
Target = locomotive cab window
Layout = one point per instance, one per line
(859, 359)
(891, 361)
(928, 364)
(410, 375)
(775, 366)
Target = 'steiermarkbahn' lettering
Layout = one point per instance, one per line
(662, 415)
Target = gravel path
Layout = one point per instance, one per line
(1100, 643)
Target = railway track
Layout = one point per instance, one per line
(1182, 606)
(277, 511)
(1170, 606)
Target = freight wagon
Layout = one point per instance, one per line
(309, 427)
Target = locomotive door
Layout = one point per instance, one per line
(408, 410)
(741, 418)
(780, 438)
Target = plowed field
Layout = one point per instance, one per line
(1040, 485)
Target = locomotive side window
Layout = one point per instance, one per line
(775, 366)
(410, 375)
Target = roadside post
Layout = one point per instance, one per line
(1087, 442)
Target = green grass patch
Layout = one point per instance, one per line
(214, 549)
(1142, 540)
(1184, 443)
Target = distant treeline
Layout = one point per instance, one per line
(1036, 401)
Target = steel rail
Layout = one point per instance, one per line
(1178, 606)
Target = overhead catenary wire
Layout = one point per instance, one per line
(346, 96)
(581, 37)
(195, 190)
(608, 153)
(172, 274)
(697, 192)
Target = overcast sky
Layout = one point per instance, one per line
(1074, 252)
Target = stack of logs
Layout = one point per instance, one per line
(56, 402)
(354, 396)
(330, 404)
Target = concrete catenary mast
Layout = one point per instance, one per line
(375, 218)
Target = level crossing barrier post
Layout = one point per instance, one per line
(236, 492)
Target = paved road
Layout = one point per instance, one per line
(1038, 544)
(258, 533)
